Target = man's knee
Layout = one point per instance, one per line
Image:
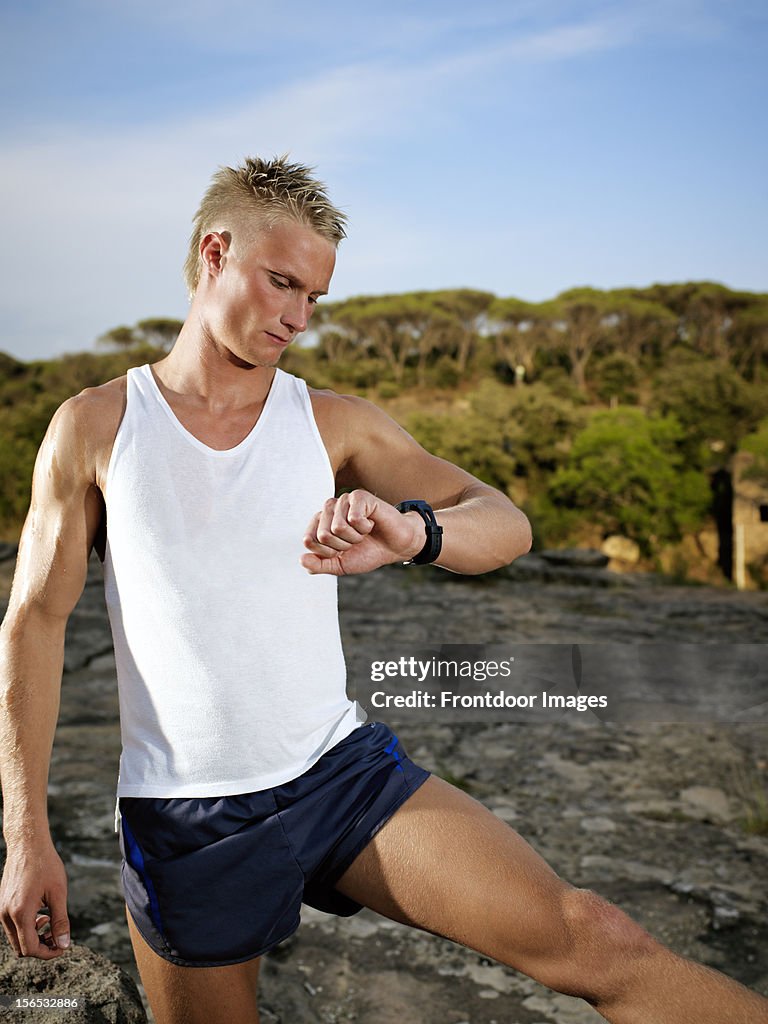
(602, 952)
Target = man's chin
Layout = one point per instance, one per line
(253, 363)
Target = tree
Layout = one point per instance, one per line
(627, 471)
(505, 433)
(520, 330)
(582, 318)
(705, 312)
(713, 403)
(461, 312)
(155, 332)
(749, 338)
(756, 444)
(644, 330)
(479, 446)
(616, 379)
(373, 326)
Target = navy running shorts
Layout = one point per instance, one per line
(211, 881)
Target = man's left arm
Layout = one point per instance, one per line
(383, 465)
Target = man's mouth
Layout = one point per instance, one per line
(276, 338)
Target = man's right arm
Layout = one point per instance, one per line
(64, 515)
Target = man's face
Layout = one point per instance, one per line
(265, 295)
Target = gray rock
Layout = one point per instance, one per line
(695, 880)
(706, 803)
(105, 994)
(598, 824)
(578, 558)
(556, 570)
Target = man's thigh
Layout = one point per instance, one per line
(446, 864)
(196, 995)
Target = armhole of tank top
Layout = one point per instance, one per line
(118, 432)
(310, 414)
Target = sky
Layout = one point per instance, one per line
(518, 147)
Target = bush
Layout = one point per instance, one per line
(616, 378)
(628, 473)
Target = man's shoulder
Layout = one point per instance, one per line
(354, 428)
(343, 408)
(94, 406)
(89, 420)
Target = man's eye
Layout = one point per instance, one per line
(278, 283)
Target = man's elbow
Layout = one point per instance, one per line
(510, 542)
(527, 536)
(520, 538)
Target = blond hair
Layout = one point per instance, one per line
(260, 191)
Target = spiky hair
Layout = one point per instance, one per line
(261, 191)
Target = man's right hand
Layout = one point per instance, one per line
(34, 877)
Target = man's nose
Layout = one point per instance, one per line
(296, 314)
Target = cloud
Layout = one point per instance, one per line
(99, 224)
(99, 218)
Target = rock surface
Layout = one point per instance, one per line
(47, 990)
(651, 815)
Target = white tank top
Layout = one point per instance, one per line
(229, 661)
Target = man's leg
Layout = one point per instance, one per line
(196, 995)
(445, 864)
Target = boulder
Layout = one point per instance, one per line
(621, 549)
(105, 993)
(577, 558)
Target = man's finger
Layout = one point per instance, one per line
(43, 929)
(32, 945)
(351, 521)
(362, 505)
(10, 930)
(324, 550)
(315, 564)
(327, 538)
(310, 537)
(336, 538)
(333, 529)
(60, 920)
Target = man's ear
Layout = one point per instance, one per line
(213, 250)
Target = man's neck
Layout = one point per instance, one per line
(200, 368)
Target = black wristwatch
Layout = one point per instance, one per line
(434, 542)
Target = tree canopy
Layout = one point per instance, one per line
(598, 410)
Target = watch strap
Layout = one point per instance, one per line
(433, 531)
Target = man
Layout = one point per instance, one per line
(247, 781)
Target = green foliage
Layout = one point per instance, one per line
(628, 473)
(616, 378)
(388, 390)
(469, 441)
(28, 399)
(750, 786)
(537, 424)
(159, 332)
(501, 433)
(714, 404)
(756, 444)
(446, 373)
(559, 382)
(687, 363)
(553, 525)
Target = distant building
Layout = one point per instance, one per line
(750, 523)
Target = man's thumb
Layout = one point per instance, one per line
(60, 926)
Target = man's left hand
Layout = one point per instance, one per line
(359, 532)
